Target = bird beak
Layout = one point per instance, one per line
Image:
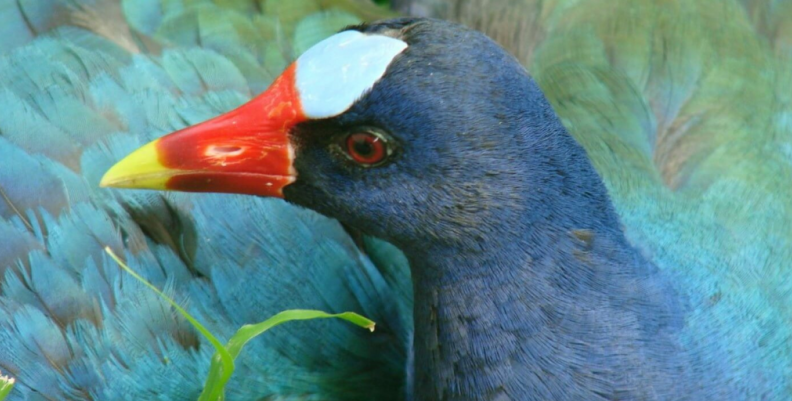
(244, 151)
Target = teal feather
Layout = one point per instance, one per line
(315, 27)
(21, 21)
(73, 325)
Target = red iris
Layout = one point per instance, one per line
(366, 148)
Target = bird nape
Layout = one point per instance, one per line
(430, 136)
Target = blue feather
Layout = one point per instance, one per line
(72, 325)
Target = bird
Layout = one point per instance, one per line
(616, 228)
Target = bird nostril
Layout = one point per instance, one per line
(224, 151)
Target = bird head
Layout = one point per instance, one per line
(412, 130)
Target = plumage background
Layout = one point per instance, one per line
(684, 107)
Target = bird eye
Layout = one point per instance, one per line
(366, 148)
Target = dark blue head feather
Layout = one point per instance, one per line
(479, 150)
(524, 283)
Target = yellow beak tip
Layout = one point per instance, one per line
(106, 182)
(119, 174)
(140, 169)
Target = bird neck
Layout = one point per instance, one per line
(541, 309)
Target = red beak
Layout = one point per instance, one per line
(244, 151)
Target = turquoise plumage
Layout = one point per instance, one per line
(683, 107)
(74, 326)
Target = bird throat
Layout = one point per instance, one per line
(549, 320)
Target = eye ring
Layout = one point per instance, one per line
(367, 148)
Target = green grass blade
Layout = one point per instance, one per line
(250, 331)
(224, 365)
(218, 377)
(6, 385)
